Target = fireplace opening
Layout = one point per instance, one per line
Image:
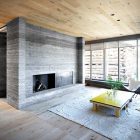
(43, 82)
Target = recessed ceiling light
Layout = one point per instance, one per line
(112, 14)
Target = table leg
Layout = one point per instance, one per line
(94, 107)
(131, 100)
(125, 107)
(117, 112)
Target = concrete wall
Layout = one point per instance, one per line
(80, 60)
(48, 52)
(33, 50)
(2, 64)
(16, 47)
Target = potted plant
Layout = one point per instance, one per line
(114, 85)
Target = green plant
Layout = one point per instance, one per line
(115, 85)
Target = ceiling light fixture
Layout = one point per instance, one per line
(112, 14)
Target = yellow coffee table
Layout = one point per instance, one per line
(117, 101)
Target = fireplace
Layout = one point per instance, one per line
(43, 82)
(52, 80)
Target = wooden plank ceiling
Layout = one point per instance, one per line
(92, 19)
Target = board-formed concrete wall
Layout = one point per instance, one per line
(16, 46)
(2, 64)
(33, 50)
(48, 52)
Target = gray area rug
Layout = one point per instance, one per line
(126, 127)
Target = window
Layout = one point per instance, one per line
(97, 64)
(97, 61)
(111, 60)
(118, 59)
(87, 64)
(128, 60)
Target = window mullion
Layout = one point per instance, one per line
(137, 74)
(90, 63)
(118, 61)
(104, 61)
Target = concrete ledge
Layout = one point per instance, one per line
(49, 94)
